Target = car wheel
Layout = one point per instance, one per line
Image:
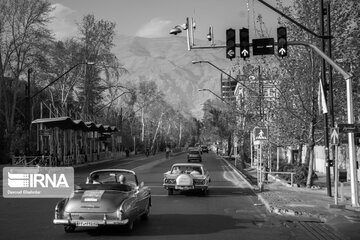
(129, 227)
(69, 228)
(170, 191)
(205, 192)
(145, 216)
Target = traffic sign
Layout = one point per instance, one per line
(349, 128)
(263, 46)
(334, 137)
(261, 133)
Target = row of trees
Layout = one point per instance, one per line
(100, 92)
(294, 119)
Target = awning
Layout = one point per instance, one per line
(68, 123)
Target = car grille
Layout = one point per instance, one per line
(170, 181)
(199, 181)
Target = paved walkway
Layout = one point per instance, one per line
(280, 198)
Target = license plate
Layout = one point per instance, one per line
(183, 187)
(86, 224)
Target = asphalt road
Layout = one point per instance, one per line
(230, 211)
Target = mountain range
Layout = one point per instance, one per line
(168, 63)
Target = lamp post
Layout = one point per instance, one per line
(206, 89)
(29, 97)
(210, 63)
(111, 102)
(52, 82)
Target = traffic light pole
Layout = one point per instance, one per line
(350, 110)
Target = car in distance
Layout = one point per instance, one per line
(186, 176)
(194, 154)
(105, 199)
(204, 148)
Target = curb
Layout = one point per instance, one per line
(268, 205)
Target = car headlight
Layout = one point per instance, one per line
(119, 214)
(199, 181)
(126, 205)
(169, 181)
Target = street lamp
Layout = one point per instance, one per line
(111, 102)
(52, 82)
(206, 89)
(29, 97)
(195, 62)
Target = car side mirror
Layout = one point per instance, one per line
(141, 184)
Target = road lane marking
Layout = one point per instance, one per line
(236, 172)
(212, 186)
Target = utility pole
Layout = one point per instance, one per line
(28, 111)
(325, 115)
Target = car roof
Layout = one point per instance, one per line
(188, 164)
(113, 170)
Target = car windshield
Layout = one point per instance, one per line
(194, 152)
(110, 177)
(186, 169)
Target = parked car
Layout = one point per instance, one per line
(194, 154)
(186, 176)
(109, 197)
(204, 148)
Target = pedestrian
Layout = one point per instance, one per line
(167, 152)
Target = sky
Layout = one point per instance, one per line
(155, 18)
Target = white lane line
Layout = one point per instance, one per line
(237, 173)
(211, 186)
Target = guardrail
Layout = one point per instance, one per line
(291, 177)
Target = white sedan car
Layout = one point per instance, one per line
(187, 176)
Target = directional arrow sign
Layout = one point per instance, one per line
(282, 51)
(334, 137)
(231, 53)
(349, 128)
(244, 53)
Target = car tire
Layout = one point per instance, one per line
(69, 228)
(129, 227)
(170, 191)
(145, 216)
(205, 192)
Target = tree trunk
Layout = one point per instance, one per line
(300, 154)
(157, 130)
(311, 164)
(229, 145)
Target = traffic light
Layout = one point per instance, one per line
(230, 43)
(282, 41)
(244, 43)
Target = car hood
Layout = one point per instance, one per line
(95, 201)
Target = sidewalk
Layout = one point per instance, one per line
(280, 198)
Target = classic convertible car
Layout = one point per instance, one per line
(109, 197)
(186, 176)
